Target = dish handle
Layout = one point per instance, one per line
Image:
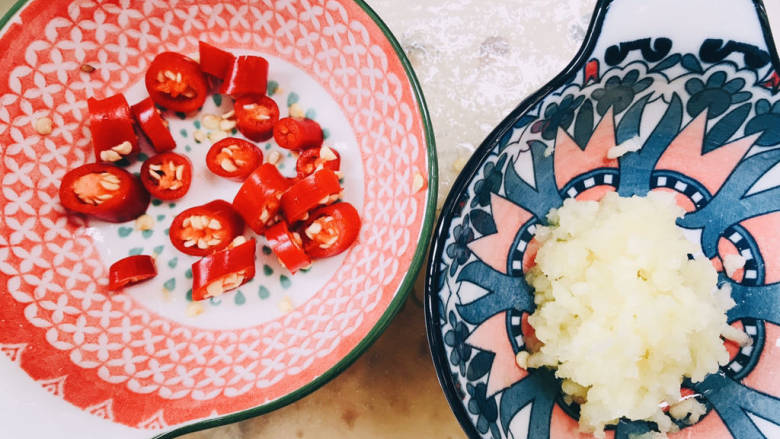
(713, 30)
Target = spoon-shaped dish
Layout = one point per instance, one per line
(695, 84)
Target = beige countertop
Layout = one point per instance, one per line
(476, 60)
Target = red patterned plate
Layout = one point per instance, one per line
(149, 360)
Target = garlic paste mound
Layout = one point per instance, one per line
(623, 312)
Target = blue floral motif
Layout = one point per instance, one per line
(490, 184)
(620, 93)
(716, 95)
(459, 250)
(767, 120)
(456, 338)
(484, 408)
(559, 115)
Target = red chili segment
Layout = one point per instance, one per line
(214, 61)
(256, 116)
(233, 158)
(320, 188)
(223, 271)
(287, 246)
(313, 159)
(103, 191)
(247, 75)
(258, 198)
(167, 176)
(205, 229)
(153, 125)
(131, 270)
(176, 82)
(296, 133)
(111, 125)
(330, 230)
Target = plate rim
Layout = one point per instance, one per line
(404, 287)
(431, 309)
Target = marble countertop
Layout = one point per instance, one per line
(476, 60)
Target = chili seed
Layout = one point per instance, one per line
(123, 148)
(43, 126)
(228, 165)
(110, 156)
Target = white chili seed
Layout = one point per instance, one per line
(327, 154)
(417, 183)
(228, 165)
(214, 289)
(109, 186)
(227, 125)
(214, 224)
(313, 229)
(110, 156)
(210, 121)
(195, 309)
(264, 216)
(170, 75)
(43, 126)
(144, 222)
(179, 172)
(274, 157)
(216, 136)
(123, 148)
(109, 177)
(199, 136)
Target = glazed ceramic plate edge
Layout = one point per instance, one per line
(406, 283)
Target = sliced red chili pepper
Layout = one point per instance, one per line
(214, 61)
(315, 158)
(223, 271)
(205, 229)
(298, 133)
(153, 125)
(104, 191)
(258, 198)
(131, 270)
(247, 75)
(233, 158)
(111, 125)
(176, 82)
(287, 246)
(322, 187)
(330, 230)
(167, 176)
(256, 116)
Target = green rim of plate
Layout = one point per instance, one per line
(406, 283)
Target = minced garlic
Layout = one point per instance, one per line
(623, 312)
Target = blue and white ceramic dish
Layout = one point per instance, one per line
(694, 83)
